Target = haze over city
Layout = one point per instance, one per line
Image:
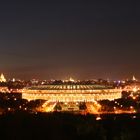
(57, 40)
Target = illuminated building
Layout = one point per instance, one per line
(2, 78)
(134, 79)
(71, 79)
(71, 93)
(4, 89)
(132, 87)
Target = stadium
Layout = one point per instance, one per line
(71, 93)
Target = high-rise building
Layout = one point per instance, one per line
(2, 78)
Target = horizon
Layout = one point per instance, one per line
(67, 78)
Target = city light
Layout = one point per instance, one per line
(72, 95)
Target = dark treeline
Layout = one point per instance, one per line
(65, 126)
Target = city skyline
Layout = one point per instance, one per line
(4, 78)
(57, 40)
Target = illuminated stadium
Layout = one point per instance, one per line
(71, 93)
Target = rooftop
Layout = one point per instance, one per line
(69, 87)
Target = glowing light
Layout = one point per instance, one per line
(114, 108)
(9, 109)
(131, 107)
(13, 80)
(135, 89)
(98, 118)
(134, 98)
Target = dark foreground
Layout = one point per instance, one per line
(65, 126)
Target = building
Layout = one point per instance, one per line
(71, 93)
(2, 78)
(133, 78)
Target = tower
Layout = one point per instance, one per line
(133, 78)
(2, 78)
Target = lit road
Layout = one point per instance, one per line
(118, 112)
(49, 106)
(92, 108)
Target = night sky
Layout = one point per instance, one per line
(56, 40)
